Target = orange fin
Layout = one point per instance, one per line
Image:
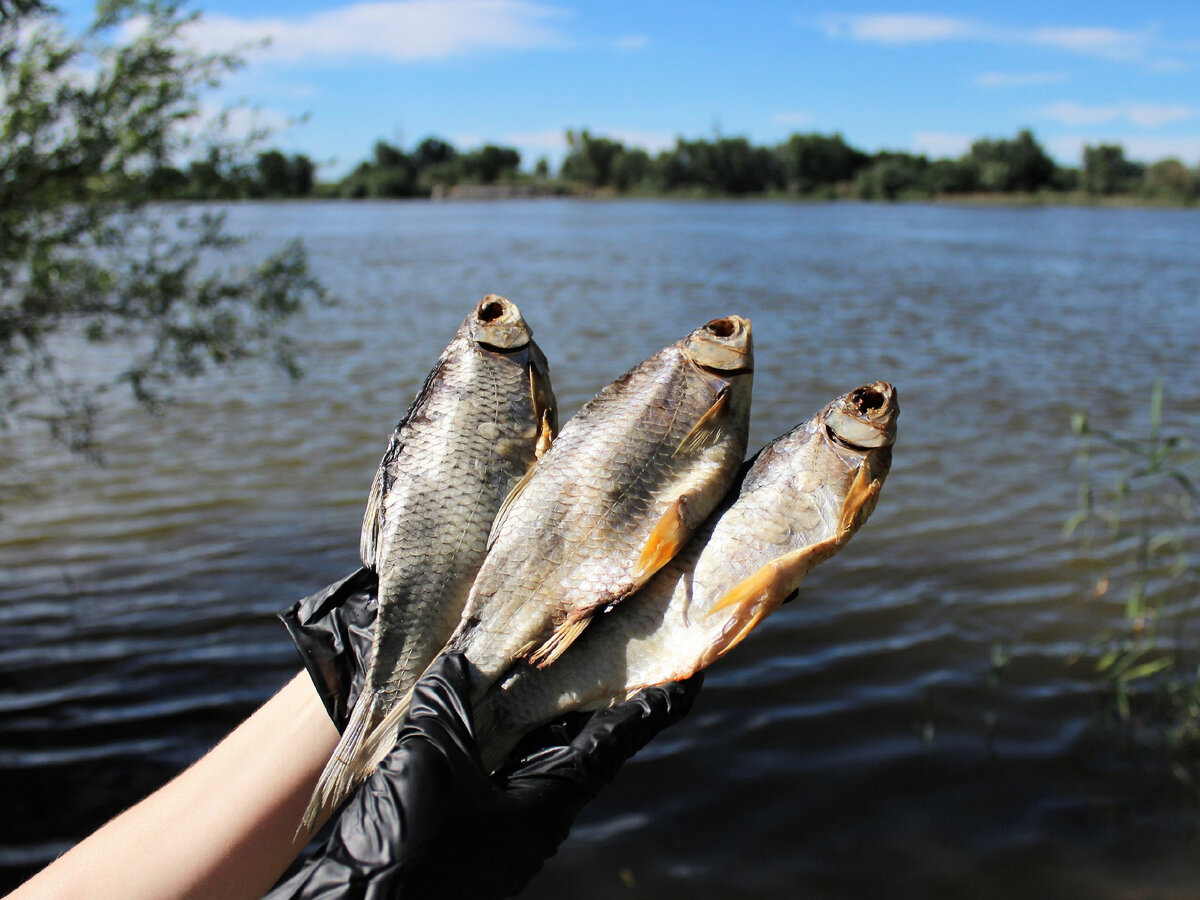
(762, 593)
(667, 539)
(545, 408)
(859, 504)
(545, 436)
(708, 430)
(564, 636)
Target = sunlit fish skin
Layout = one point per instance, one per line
(617, 495)
(801, 500)
(466, 441)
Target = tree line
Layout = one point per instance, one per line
(390, 172)
(825, 166)
(805, 165)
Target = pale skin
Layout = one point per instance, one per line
(225, 827)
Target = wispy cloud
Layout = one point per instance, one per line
(393, 30)
(941, 143)
(1102, 42)
(897, 29)
(632, 42)
(1020, 79)
(791, 118)
(1144, 115)
(1106, 43)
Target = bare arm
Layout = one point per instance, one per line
(223, 828)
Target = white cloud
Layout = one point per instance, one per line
(791, 118)
(1107, 43)
(393, 30)
(897, 29)
(1144, 115)
(1069, 148)
(237, 123)
(941, 143)
(1020, 79)
(632, 42)
(889, 28)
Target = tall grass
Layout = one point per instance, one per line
(1137, 522)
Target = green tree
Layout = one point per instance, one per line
(812, 161)
(301, 175)
(1107, 171)
(1170, 178)
(433, 152)
(891, 174)
(727, 165)
(631, 169)
(952, 176)
(274, 174)
(590, 160)
(1017, 165)
(83, 258)
(487, 164)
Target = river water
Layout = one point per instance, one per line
(860, 741)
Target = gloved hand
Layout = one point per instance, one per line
(430, 822)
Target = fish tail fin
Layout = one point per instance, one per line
(351, 762)
(380, 739)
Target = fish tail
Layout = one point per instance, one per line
(347, 767)
(380, 739)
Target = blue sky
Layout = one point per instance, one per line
(926, 77)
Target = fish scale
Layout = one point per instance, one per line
(802, 499)
(466, 441)
(601, 510)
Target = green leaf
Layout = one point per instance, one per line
(1146, 669)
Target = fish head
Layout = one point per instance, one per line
(778, 528)
(497, 324)
(723, 346)
(864, 418)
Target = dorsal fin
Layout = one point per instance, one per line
(368, 541)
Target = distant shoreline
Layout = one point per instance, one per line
(506, 193)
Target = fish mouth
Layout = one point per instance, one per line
(497, 325)
(723, 346)
(865, 418)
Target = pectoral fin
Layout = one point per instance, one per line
(545, 407)
(518, 488)
(368, 542)
(667, 539)
(545, 436)
(859, 504)
(762, 593)
(564, 636)
(709, 429)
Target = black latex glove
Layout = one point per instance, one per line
(430, 822)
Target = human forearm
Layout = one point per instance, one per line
(225, 827)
